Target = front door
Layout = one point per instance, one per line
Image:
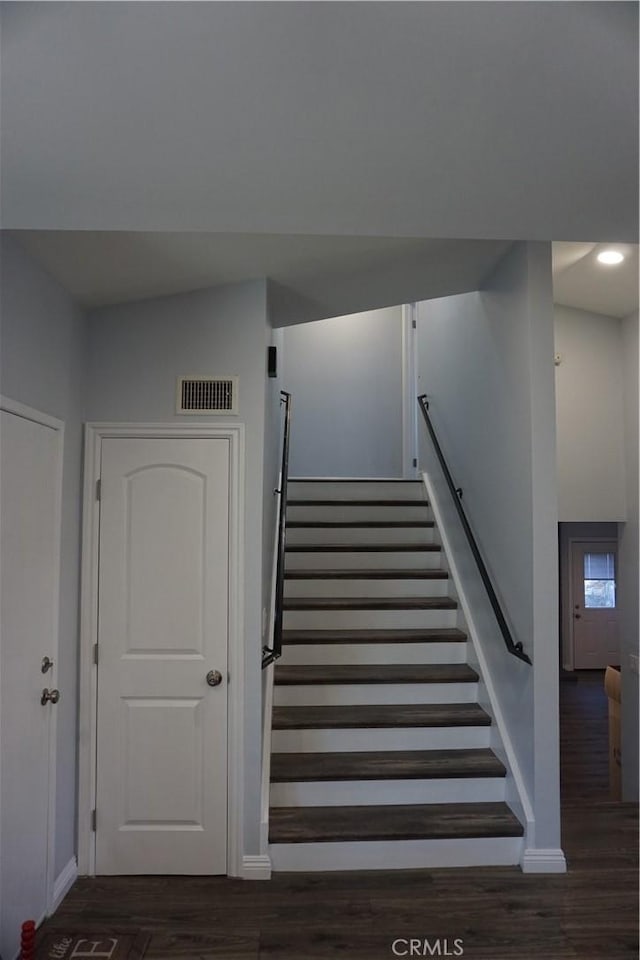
(30, 454)
(595, 615)
(161, 783)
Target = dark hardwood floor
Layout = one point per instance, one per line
(584, 738)
(591, 913)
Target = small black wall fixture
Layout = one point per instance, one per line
(272, 361)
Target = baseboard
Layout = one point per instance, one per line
(264, 835)
(256, 867)
(544, 861)
(63, 884)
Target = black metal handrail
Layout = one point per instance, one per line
(269, 654)
(515, 648)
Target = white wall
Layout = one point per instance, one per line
(629, 577)
(43, 339)
(136, 351)
(590, 421)
(485, 360)
(345, 377)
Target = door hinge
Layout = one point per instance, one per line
(93, 820)
(98, 489)
(414, 324)
(415, 462)
(95, 653)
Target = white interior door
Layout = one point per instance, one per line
(594, 614)
(161, 783)
(30, 461)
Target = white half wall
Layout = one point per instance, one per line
(485, 360)
(590, 417)
(345, 377)
(43, 338)
(136, 352)
(629, 576)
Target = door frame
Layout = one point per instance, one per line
(53, 423)
(568, 653)
(95, 433)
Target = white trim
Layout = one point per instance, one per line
(94, 435)
(30, 413)
(523, 808)
(65, 880)
(409, 392)
(544, 861)
(53, 423)
(256, 867)
(267, 698)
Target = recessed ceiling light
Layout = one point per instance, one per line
(610, 257)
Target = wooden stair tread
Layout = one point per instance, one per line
(366, 573)
(369, 603)
(353, 480)
(403, 822)
(346, 502)
(363, 548)
(385, 765)
(380, 716)
(360, 635)
(356, 524)
(374, 673)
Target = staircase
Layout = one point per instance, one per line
(381, 753)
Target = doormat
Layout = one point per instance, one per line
(97, 946)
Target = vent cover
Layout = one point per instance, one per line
(206, 395)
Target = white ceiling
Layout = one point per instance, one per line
(311, 277)
(496, 120)
(337, 148)
(580, 281)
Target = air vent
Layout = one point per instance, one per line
(206, 395)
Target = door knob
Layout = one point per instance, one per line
(214, 678)
(47, 664)
(51, 696)
(577, 616)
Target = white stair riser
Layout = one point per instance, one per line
(367, 619)
(373, 792)
(354, 490)
(307, 653)
(380, 738)
(366, 588)
(396, 854)
(352, 512)
(359, 693)
(382, 559)
(359, 535)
